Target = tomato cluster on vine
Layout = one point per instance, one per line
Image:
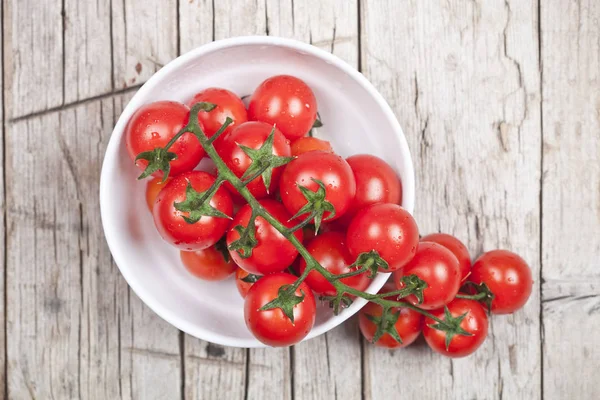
(296, 223)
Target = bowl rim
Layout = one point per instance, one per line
(111, 153)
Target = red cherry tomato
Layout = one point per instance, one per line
(456, 247)
(475, 322)
(329, 249)
(154, 125)
(306, 144)
(153, 188)
(252, 135)
(272, 327)
(273, 253)
(228, 105)
(507, 276)
(170, 222)
(244, 281)
(408, 326)
(438, 267)
(329, 168)
(376, 182)
(386, 228)
(287, 102)
(208, 264)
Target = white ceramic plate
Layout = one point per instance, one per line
(356, 120)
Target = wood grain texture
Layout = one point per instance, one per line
(44, 268)
(87, 49)
(571, 198)
(144, 35)
(2, 223)
(33, 60)
(74, 328)
(463, 80)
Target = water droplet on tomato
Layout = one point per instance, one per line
(236, 161)
(155, 135)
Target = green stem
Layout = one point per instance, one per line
(353, 273)
(228, 121)
(397, 293)
(212, 189)
(303, 223)
(477, 296)
(311, 263)
(256, 175)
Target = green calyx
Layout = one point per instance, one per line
(413, 285)
(316, 204)
(451, 326)
(159, 158)
(286, 300)
(370, 261)
(385, 323)
(197, 204)
(247, 240)
(263, 161)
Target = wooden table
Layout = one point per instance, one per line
(500, 102)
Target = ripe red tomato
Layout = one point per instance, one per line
(252, 135)
(386, 228)
(154, 125)
(287, 102)
(438, 267)
(153, 188)
(376, 182)
(475, 322)
(306, 144)
(456, 247)
(329, 249)
(170, 221)
(228, 105)
(329, 168)
(244, 281)
(408, 325)
(272, 327)
(507, 276)
(273, 252)
(208, 264)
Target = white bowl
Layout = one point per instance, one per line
(356, 120)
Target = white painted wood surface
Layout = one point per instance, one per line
(571, 198)
(500, 103)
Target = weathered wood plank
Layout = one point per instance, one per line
(87, 49)
(463, 79)
(2, 225)
(571, 198)
(33, 60)
(74, 330)
(44, 268)
(144, 39)
(212, 370)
